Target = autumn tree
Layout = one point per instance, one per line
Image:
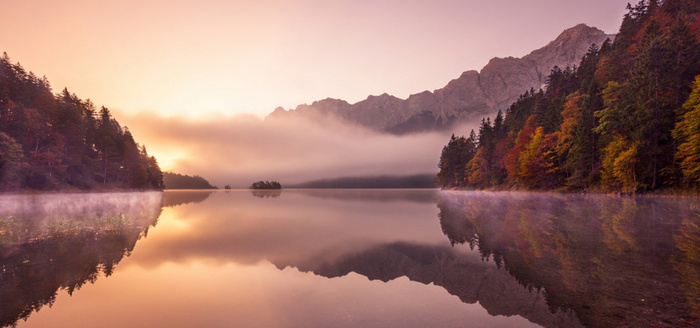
(687, 132)
(622, 121)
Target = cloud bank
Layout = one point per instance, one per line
(242, 149)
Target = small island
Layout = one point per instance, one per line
(266, 185)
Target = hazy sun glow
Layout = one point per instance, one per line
(168, 157)
(200, 64)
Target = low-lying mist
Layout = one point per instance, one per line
(242, 149)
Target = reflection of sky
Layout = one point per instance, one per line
(297, 227)
(204, 265)
(231, 295)
(214, 259)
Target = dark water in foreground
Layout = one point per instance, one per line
(348, 258)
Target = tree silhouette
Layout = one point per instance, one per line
(64, 141)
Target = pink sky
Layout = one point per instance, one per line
(188, 57)
(180, 73)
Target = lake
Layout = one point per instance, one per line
(348, 258)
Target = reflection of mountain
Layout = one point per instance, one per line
(556, 260)
(173, 198)
(607, 259)
(462, 275)
(65, 242)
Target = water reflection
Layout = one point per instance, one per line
(298, 227)
(463, 276)
(271, 193)
(374, 196)
(54, 242)
(613, 261)
(181, 197)
(382, 235)
(552, 260)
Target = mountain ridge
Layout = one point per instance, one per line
(474, 94)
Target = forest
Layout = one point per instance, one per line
(172, 180)
(626, 119)
(60, 142)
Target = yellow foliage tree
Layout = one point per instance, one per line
(687, 132)
(619, 161)
(526, 173)
(477, 170)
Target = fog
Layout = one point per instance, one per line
(242, 149)
(298, 227)
(33, 215)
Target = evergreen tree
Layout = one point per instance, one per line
(61, 142)
(453, 162)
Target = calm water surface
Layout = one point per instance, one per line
(348, 258)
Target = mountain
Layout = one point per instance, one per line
(471, 96)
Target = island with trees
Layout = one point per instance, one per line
(624, 120)
(266, 185)
(60, 142)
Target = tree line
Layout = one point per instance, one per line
(626, 119)
(172, 180)
(58, 141)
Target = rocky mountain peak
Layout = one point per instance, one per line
(473, 95)
(580, 31)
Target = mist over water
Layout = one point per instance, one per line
(41, 211)
(243, 149)
(61, 242)
(348, 258)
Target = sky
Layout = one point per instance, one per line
(185, 57)
(211, 61)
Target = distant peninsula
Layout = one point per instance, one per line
(372, 182)
(173, 180)
(53, 142)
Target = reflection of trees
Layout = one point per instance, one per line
(605, 258)
(172, 198)
(54, 247)
(687, 261)
(373, 195)
(266, 193)
(616, 226)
